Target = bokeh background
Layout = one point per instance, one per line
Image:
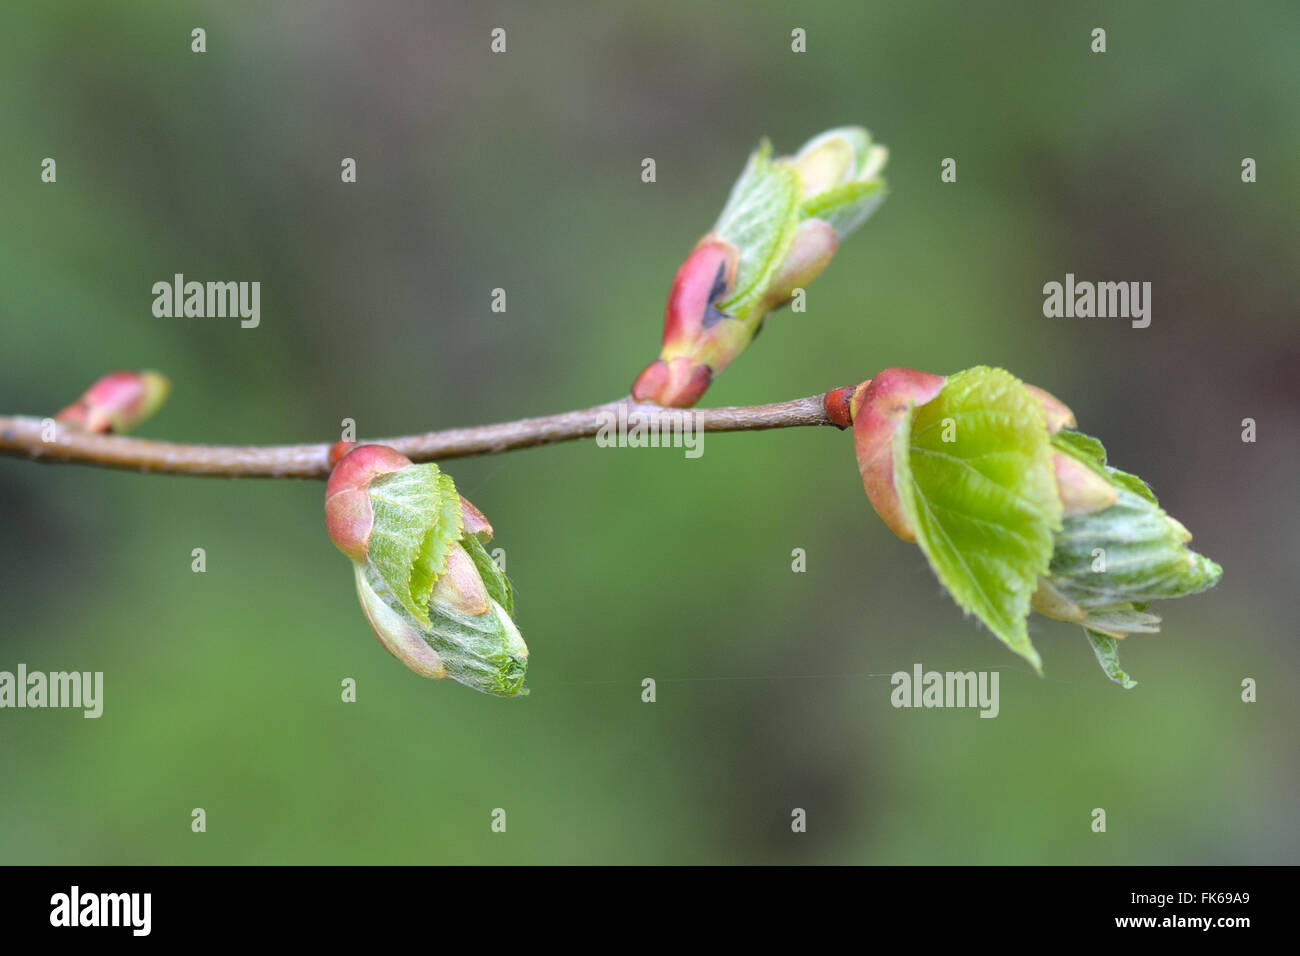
(523, 171)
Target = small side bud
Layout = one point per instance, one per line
(838, 404)
(117, 402)
(339, 450)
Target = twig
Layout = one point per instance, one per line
(23, 437)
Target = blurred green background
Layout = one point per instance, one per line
(523, 171)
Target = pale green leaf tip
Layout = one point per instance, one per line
(1107, 651)
(1030, 654)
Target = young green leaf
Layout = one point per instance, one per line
(417, 517)
(1131, 552)
(974, 477)
(1110, 563)
(484, 652)
(845, 207)
(1142, 550)
(759, 219)
(494, 579)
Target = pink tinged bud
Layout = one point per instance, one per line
(473, 520)
(679, 376)
(348, 513)
(706, 278)
(118, 402)
(399, 636)
(1082, 490)
(677, 383)
(877, 413)
(461, 588)
(1055, 411)
(812, 250)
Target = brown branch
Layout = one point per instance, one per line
(22, 437)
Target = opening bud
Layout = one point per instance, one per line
(1014, 509)
(778, 231)
(434, 597)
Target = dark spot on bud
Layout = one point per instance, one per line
(719, 283)
(712, 315)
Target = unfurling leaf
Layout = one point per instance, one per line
(759, 219)
(417, 520)
(1144, 558)
(1014, 509)
(983, 504)
(433, 596)
(483, 651)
